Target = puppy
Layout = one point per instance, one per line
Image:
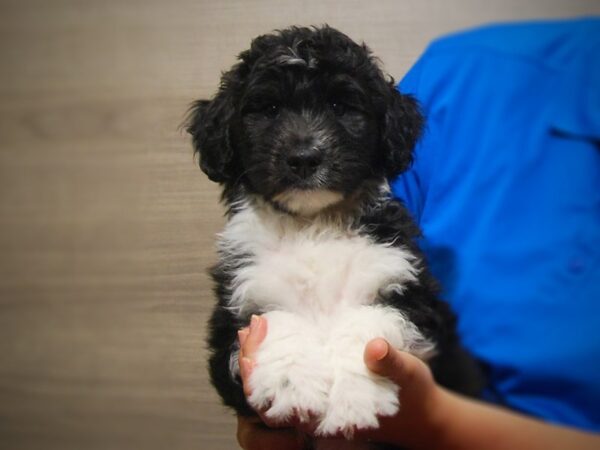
(303, 134)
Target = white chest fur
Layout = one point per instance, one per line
(309, 269)
(316, 284)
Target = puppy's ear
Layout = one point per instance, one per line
(403, 125)
(208, 123)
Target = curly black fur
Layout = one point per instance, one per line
(298, 80)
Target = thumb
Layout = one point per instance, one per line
(400, 367)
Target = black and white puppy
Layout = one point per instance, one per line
(302, 134)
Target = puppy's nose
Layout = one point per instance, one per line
(305, 161)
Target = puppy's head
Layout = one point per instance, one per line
(305, 120)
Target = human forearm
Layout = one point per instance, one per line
(463, 423)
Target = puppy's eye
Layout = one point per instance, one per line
(270, 110)
(339, 109)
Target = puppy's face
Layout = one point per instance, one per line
(304, 121)
(308, 135)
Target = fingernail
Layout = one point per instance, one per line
(386, 351)
(254, 320)
(242, 335)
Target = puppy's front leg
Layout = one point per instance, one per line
(291, 376)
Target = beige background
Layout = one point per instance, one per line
(106, 223)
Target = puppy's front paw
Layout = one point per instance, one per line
(358, 396)
(291, 376)
(356, 400)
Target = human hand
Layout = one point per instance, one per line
(432, 417)
(417, 420)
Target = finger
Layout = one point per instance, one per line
(246, 367)
(257, 333)
(308, 427)
(276, 423)
(250, 339)
(253, 435)
(400, 367)
(243, 334)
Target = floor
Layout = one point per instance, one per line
(106, 223)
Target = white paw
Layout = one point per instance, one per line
(358, 396)
(316, 372)
(291, 377)
(356, 401)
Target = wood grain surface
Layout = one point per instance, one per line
(106, 223)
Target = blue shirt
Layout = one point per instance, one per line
(506, 187)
